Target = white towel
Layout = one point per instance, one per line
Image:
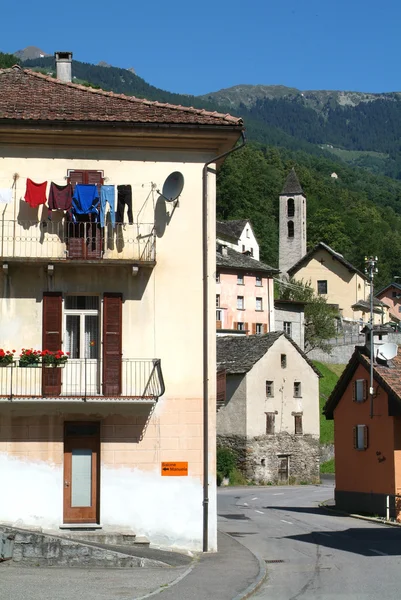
(6, 196)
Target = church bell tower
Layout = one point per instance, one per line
(292, 217)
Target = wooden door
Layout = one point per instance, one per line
(84, 238)
(51, 340)
(112, 344)
(81, 472)
(283, 469)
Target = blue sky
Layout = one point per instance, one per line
(198, 47)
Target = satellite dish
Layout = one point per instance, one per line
(173, 186)
(387, 351)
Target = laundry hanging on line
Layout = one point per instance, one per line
(107, 196)
(60, 197)
(85, 201)
(124, 198)
(6, 195)
(35, 193)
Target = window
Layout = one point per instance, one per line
(399, 309)
(297, 389)
(217, 300)
(243, 248)
(258, 328)
(240, 302)
(298, 424)
(361, 437)
(290, 207)
(247, 233)
(259, 304)
(258, 281)
(82, 331)
(290, 226)
(360, 390)
(394, 294)
(219, 315)
(283, 361)
(240, 280)
(217, 277)
(287, 327)
(322, 286)
(270, 421)
(269, 389)
(251, 251)
(240, 326)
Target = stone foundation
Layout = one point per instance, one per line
(263, 459)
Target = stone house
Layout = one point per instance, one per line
(269, 413)
(289, 316)
(244, 293)
(367, 430)
(238, 235)
(84, 444)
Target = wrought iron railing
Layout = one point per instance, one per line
(84, 379)
(64, 240)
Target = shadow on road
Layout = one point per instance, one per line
(312, 510)
(366, 542)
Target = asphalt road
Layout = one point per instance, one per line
(315, 555)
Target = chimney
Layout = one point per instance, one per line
(63, 65)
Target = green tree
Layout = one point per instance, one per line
(8, 60)
(320, 317)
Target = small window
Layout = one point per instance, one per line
(298, 424)
(217, 300)
(217, 277)
(269, 389)
(399, 309)
(259, 304)
(297, 389)
(251, 251)
(283, 361)
(258, 328)
(240, 326)
(258, 281)
(270, 422)
(243, 248)
(240, 302)
(287, 327)
(240, 280)
(394, 294)
(218, 315)
(247, 233)
(322, 286)
(290, 226)
(361, 437)
(360, 390)
(290, 207)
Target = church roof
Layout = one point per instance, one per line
(292, 185)
(335, 256)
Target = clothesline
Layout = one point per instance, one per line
(106, 180)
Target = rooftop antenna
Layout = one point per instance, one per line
(371, 270)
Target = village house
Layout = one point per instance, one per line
(289, 316)
(367, 430)
(244, 293)
(90, 443)
(391, 297)
(268, 407)
(238, 235)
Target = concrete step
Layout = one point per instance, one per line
(114, 538)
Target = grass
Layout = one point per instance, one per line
(330, 375)
(327, 467)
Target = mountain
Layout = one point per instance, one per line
(30, 52)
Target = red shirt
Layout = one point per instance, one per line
(35, 193)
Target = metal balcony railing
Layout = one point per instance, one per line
(67, 241)
(84, 379)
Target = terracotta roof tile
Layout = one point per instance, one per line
(27, 95)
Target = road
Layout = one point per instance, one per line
(310, 553)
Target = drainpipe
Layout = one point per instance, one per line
(206, 343)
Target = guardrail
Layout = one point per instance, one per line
(64, 240)
(84, 379)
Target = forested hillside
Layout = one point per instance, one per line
(357, 214)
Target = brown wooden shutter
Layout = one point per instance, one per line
(365, 437)
(298, 424)
(270, 419)
(221, 389)
(94, 178)
(265, 328)
(246, 328)
(354, 392)
(112, 344)
(235, 325)
(76, 177)
(355, 435)
(218, 324)
(253, 328)
(51, 340)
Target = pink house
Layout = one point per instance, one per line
(244, 293)
(391, 295)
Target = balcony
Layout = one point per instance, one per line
(66, 242)
(84, 380)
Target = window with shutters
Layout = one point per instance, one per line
(270, 422)
(360, 390)
(112, 343)
(269, 389)
(240, 326)
(51, 340)
(259, 330)
(298, 424)
(82, 330)
(84, 240)
(361, 441)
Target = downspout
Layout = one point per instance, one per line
(206, 343)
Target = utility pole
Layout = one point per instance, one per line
(371, 270)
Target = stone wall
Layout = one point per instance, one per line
(259, 458)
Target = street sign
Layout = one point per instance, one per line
(174, 469)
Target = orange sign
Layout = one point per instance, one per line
(174, 469)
